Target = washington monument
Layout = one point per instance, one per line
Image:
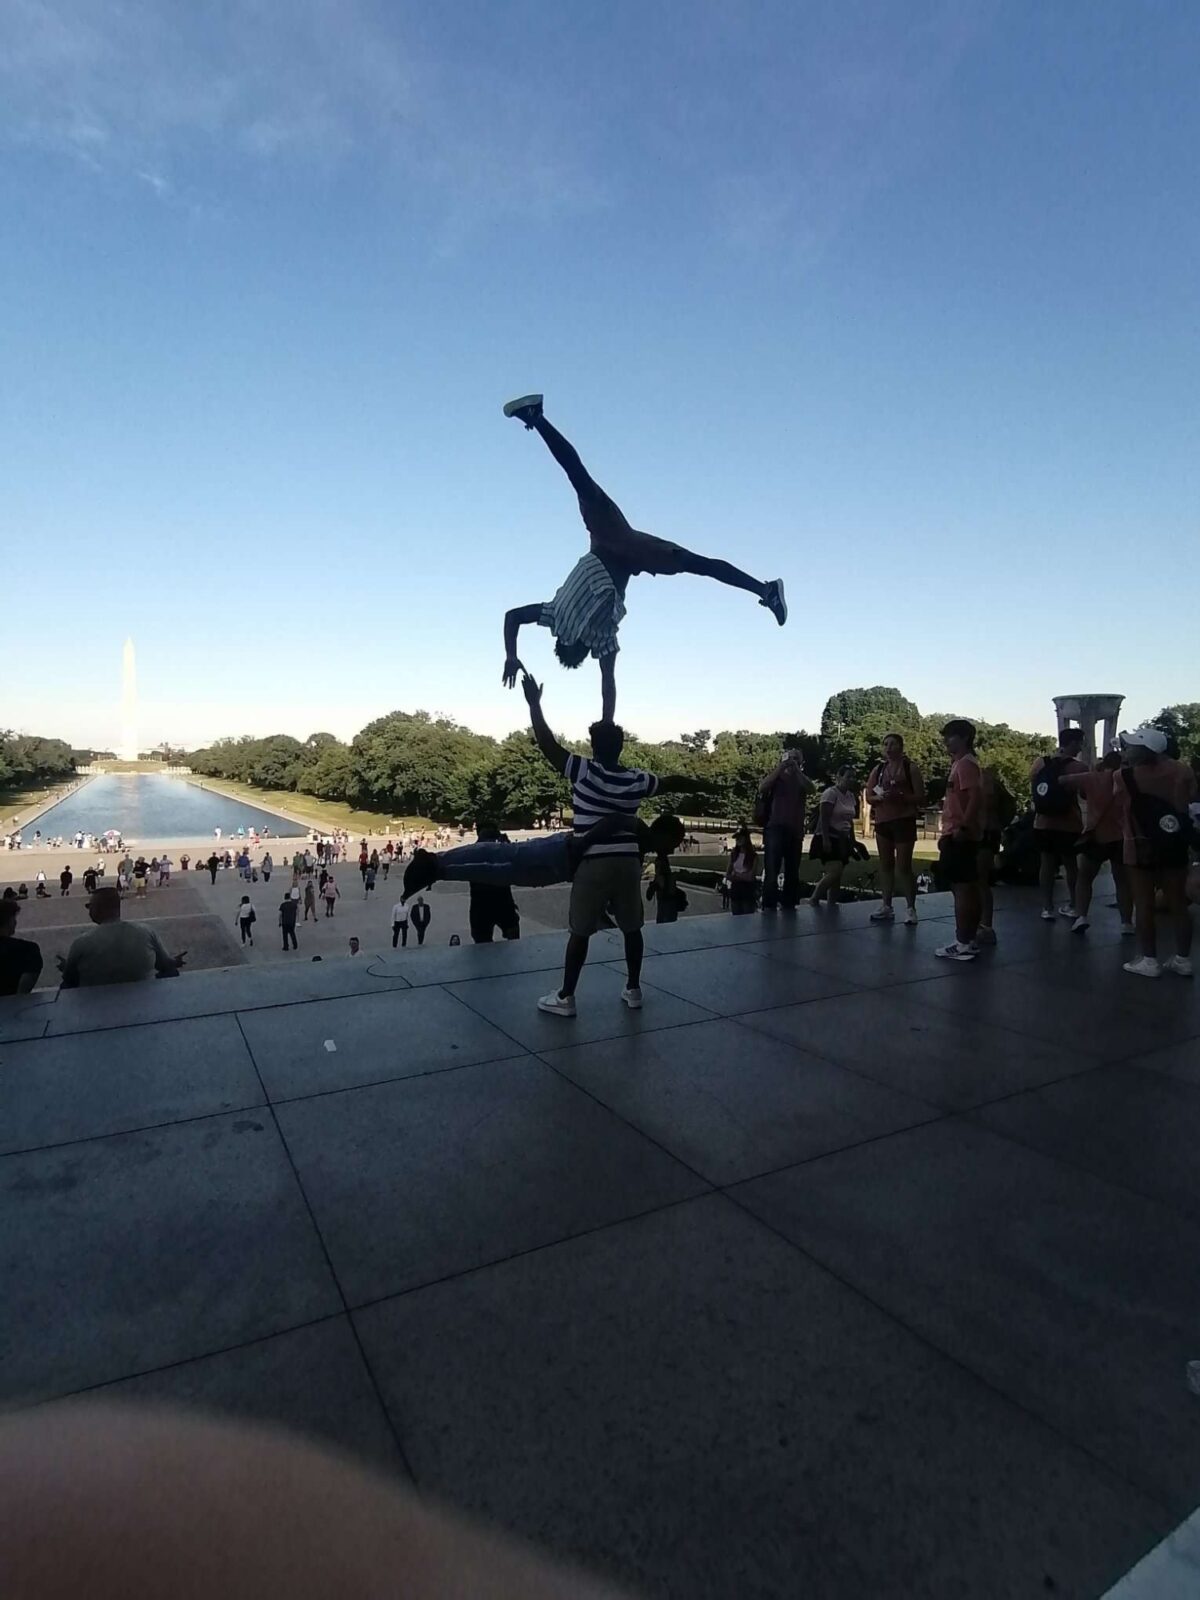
(128, 749)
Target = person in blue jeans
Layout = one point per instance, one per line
(533, 863)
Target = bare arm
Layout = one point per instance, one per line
(608, 687)
(513, 621)
(826, 815)
(546, 742)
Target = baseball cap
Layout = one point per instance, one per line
(1151, 737)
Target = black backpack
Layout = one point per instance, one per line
(1157, 818)
(1050, 799)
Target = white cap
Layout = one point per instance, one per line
(1150, 737)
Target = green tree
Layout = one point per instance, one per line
(1181, 724)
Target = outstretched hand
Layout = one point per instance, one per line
(533, 691)
(511, 667)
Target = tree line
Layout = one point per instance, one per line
(28, 761)
(409, 763)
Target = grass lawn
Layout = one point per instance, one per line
(326, 814)
(13, 802)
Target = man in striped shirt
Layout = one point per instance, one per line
(588, 609)
(610, 874)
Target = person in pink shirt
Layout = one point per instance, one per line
(896, 796)
(1101, 841)
(962, 829)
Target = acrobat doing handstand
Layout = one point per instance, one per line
(585, 614)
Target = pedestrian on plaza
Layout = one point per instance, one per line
(1102, 840)
(245, 919)
(185, 862)
(364, 862)
(164, 871)
(962, 829)
(213, 865)
(742, 874)
(833, 842)
(400, 924)
(40, 889)
(385, 863)
(779, 810)
(369, 880)
(331, 893)
(310, 899)
(421, 918)
(492, 905)
(140, 873)
(1155, 794)
(65, 879)
(1057, 822)
(896, 796)
(90, 880)
(268, 866)
(287, 922)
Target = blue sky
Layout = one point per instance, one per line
(901, 302)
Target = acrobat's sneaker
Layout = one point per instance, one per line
(527, 409)
(774, 601)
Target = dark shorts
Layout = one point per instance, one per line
(901, 830)
(1098, 853)
(840, 848)
(991, 841)
(1161, 855)
(960, 858)
(625, 551)
(1058, 842)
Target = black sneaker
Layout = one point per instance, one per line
(774, 601)
(527, 409)
(420, 873)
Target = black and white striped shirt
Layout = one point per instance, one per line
(587, 608)
(598, 791)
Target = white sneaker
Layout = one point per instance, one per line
(1080, 925)
(558, 1005)
(1047, 916)
(1146, 967)
(884, 914)
(632, 998)
(1179, 964)
(526, 409)
(1066, 911)
(957, 952)
(910, 917)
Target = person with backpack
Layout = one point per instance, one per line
(1155, 794)
(1057, 821)
(896, 796)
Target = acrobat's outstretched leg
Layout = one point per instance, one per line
(601, 514)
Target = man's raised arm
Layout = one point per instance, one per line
(513, 621)
(546, 742)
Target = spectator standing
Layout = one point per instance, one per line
(998, 810)
(65, 879)
(743, 874)
(1155, 795)
(213, 864)
(369, 880)
(962, 828)
(20, 959)
(268, 866)
(833, 842)
(896, 796)
(116, 951)
(90, 880)
(331, 893)
(669, 899)
(492, 905)
(245, 919)
(400, 924)
(140, 874)
(1057, 822)
(287, 922)
(164, 871)
(421, 918)
(1103, 840)
(781, 806)
(310, 899)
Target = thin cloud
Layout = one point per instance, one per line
(150, 90)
